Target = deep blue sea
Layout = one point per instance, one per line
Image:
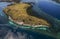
(51, 8)
(48, 6)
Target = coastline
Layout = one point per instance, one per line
(29, 26)
(22, 23)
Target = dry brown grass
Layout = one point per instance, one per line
(18, 12)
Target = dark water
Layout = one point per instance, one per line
(3, 17)
(10, 32)
(50, 7)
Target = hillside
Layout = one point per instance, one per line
(23, 12)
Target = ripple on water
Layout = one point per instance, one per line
(8, 32)
(3, 17)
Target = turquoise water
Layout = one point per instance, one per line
(8, 31)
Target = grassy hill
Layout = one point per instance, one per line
(23, 12)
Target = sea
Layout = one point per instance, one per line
(7, 31)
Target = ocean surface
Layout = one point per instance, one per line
(50, 7)
(10, 32)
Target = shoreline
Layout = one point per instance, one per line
(22, 23)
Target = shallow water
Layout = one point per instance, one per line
(10, 32)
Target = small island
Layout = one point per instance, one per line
(22, 14)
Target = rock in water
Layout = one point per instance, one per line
(23, 13)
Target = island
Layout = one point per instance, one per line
(23, 14)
